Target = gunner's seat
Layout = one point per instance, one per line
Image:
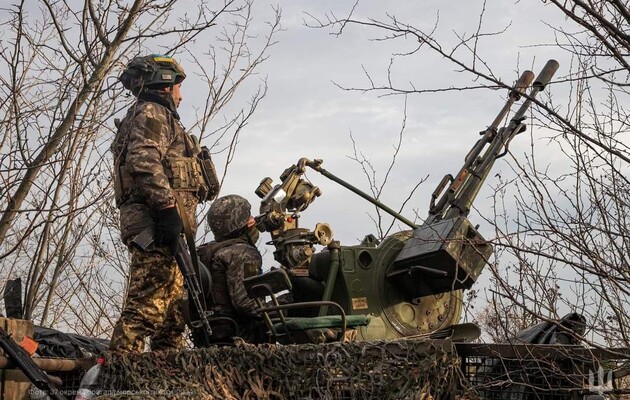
(297, 330)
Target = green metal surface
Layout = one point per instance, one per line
(361, 288)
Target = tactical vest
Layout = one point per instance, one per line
(220, 291)
(194, 172)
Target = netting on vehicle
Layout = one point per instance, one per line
(396, 369)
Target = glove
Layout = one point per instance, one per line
(168, 226)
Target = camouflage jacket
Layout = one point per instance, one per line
(229, 265)
(148, 134)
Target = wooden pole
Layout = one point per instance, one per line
(52, 364)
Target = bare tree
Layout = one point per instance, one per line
(58, 226)
(560, 233)
(569, 228)
(378, 185)
(560, 226)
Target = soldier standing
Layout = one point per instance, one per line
(232, 257)
(158, 182)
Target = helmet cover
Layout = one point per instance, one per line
(228, 216)
(149, 72)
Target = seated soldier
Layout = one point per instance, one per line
(230, 258)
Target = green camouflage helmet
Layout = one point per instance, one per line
(228, 216)
(148, 72)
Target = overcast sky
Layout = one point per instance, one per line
(306, 115)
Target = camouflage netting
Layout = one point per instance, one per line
(397, 369)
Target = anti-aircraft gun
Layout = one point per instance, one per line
(411, 282)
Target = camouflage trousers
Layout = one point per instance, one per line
(153, 308)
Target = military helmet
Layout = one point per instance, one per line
(228, 216)
(151, 71)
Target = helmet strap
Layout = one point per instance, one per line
(250, 233)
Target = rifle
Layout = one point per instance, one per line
(28, 366)
(145, 241)
(446, 252)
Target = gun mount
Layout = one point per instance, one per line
(410, 283)
(352, 276)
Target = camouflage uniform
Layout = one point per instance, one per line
(153, 306)
(231, 258)
(149, 133)
(228, 266)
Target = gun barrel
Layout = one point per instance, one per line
(539, 85)
(521, 85)
(546, 74)
(461, 193)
